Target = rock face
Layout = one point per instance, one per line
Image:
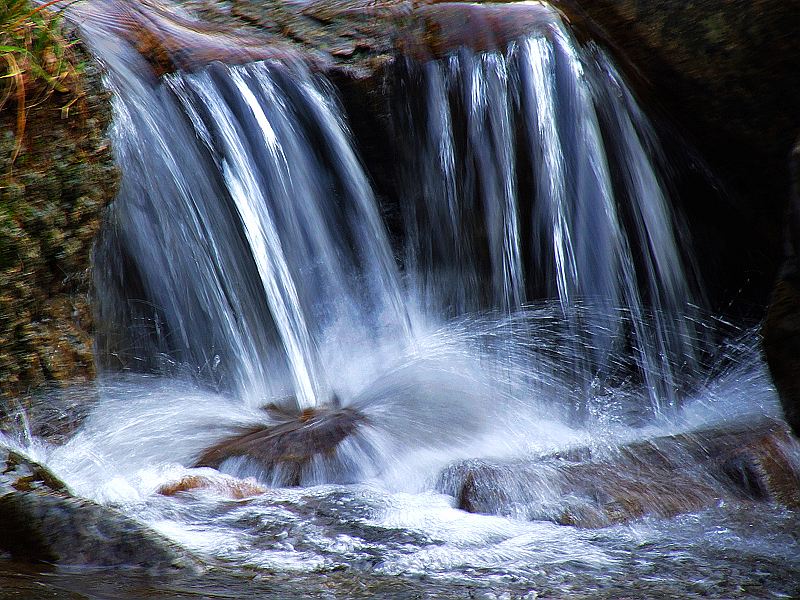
(42, 522)
(662, 477)
(782, 326)
(56, 176)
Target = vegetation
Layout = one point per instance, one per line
(36, 59)
(56, 175)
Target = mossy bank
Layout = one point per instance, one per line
(57, 174)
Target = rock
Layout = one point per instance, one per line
(21, 474)
(228, 487)
(781, 329)
(290, 444)
(57, 174)
(42, 521)
(172, 41)
(662, 477)
(77, 532)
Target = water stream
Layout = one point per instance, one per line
(542, 298)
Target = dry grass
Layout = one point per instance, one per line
(36, 58)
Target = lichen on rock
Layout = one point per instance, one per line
(57, 174)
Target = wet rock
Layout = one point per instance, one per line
(782, 343)
(172, 41)
(56, 176)
(439, 29)
(662, 477)
(19, 473)
(228, 487)
(290, 444)
(41, 521)
(781, 328)
(73, 531)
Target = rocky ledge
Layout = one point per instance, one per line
(42, 522)
(662, 477)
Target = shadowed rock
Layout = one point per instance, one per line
(75, 531)
(662, 477)
(41, 521)
(781, 328)
(288, 445)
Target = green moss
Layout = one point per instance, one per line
(56, 176)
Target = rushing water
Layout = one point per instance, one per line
(541, 299)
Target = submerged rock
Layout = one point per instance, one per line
(662, 477)
(41, 521)
(282, 451)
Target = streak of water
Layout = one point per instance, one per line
(535, 168)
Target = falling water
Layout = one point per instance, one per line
(247, 230)
(542, 147)
(248, 247)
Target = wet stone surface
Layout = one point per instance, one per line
(662, 477)
(42, 522)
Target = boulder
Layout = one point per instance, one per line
(42, 521)
(662, 477)
(284, 449)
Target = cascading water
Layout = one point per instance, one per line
(246, 274)
(543, 148)
(246, 251)
(251, 259)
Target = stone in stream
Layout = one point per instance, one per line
(284, 449)
(42, 522)
(662, 477)
(218, 484)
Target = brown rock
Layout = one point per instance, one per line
(235, 489)
(662, 477)
(290, 444)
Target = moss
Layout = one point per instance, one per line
(56, 176)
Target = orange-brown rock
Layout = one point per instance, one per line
(229, 487)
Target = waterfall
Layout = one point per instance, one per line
(532, 173)
(246, 245)
(488, 378)
(247, 229)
